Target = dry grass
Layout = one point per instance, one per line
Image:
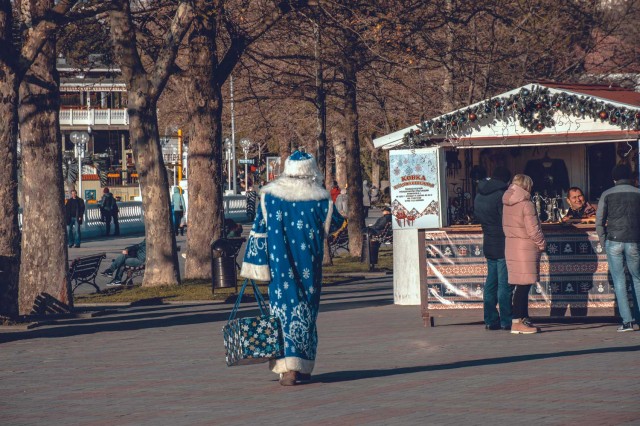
(201, 290)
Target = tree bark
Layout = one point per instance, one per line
(9, 231)
(161, 266)
(144, 89)
(206, 208)
(354, 175)
(340, 150)
(43, 268)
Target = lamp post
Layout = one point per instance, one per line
(245, 144)
(79, 139)
(227, 146)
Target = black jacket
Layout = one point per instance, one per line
(617, 215)
(74, 208)
(488, 211)
(381, 223)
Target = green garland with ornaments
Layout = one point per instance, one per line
(534, 110)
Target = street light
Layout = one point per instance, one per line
(227, 146)
(245, 144)
(79, 139)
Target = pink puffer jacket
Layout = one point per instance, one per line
(524, 239)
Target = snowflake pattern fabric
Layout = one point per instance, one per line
(295, 234)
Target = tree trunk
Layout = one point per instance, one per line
(9, 231)
(43, 268)
(375, 167)
(206, 208)
(340, 150)
(162, 259)
(354, 175)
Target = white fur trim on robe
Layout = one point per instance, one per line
(295, 189)
(290, 363)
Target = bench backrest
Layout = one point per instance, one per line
(83, 267)
(236, 244)
(386, 235)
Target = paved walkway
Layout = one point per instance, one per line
(377, 364)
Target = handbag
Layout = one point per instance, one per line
(252, 340)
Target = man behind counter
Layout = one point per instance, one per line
(578, 207)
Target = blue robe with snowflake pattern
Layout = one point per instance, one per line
(295, 231)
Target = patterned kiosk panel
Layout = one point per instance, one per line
(573, 271)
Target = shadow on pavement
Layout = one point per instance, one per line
(163, 316)
(345, 376)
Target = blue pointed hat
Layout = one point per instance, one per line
(301, 164)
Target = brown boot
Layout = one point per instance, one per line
(289, 378)
(519, 327)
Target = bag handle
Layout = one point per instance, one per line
(262, 305)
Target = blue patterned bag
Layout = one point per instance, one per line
(252, 340)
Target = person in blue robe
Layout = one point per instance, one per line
(286, 247)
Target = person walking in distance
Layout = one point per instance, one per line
(178, 206)
(618, 229)
(524, 243)
(488, 211)
(109, 211)
(74, 212)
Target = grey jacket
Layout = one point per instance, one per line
(617, 216)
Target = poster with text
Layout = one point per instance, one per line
(416, 190)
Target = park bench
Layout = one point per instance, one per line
(338, 240)
(84, 270)
(130, 272)
(236, 245)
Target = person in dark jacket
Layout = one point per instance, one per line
(134, 255)
(109, 211)
(74, 212)
(618, 229)
(382, 222)
(488, 211)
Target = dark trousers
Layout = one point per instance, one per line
(107, 223)
(521, 301)
(497, 291)
(177, 217)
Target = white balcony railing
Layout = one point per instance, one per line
(93, 117)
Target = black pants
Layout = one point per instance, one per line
(107, 223)
(521, 301)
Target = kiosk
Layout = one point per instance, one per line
(562, 135)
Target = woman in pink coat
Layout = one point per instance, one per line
(523, 245)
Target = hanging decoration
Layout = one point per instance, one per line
(533, 108)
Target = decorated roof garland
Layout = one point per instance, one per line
(534, 109)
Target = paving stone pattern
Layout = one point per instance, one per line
(377, 365)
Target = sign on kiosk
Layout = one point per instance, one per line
(418, 191)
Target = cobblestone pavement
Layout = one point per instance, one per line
(377, 364)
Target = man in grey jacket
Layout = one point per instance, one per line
(618, 229)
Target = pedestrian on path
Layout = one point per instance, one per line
(178, 206)
(618, 229)
(488, 211)
(109, 211)
(366, 198)
(74, 212)
(524, 244)
(295, 215)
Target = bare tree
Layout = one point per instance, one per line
(26, 36)
(220, 37)
(145, 84)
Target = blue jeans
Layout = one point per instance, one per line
(617, 253)
(74, 239)
(497, 291)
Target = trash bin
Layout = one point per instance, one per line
(223, 265)
(370, 249)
